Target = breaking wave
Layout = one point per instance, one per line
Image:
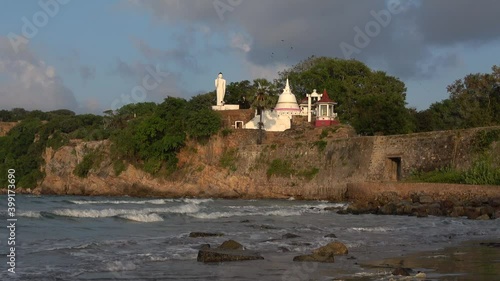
(146, 214)
(117, 202)
(372, 229)
(217, 215)
(143, 217)
(30, 214)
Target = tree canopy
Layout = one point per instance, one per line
(474, 101)
(371, 101)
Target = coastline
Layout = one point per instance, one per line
(389, 198)
(469, 260)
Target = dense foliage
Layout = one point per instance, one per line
(152, 138)
(22, 147)
(474, 101)
(371, 101)
(150, 135)
(147, 134)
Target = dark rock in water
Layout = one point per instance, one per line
(335, 248)
(434, 210)
(264, 226)
(496, 215)
(332, 208)
(324, 254)
(331, 235)
(283, 249)
(220, 255)
(204, 234)
(289, 236)
(351, 258)
(228, 251)
(204, 246)
(230, 245)
(315, 258)
(401, 272)
(483, 217)
(491, 244)
(472, 213)
(457, 211)
(245, 221)
(300, 244)
(388, 209)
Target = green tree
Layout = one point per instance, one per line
(477, 97)
(365, 98)
(203, 123)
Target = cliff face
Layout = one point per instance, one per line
(296, 163)
(5, 127)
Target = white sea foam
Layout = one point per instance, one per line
(217, 215)
(372, 229)
(117, 202)
(126, 213)
(197, 201)
(91, 213)
(183, 209)
(30, 214)
(120, 266)
(142, 217)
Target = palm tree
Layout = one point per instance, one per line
(261, 102)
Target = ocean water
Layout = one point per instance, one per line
(102, 238)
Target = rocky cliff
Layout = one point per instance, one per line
(302, 163)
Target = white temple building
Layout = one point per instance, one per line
(279, 119)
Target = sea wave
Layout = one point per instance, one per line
(117, 202)
(143, 217)
(30, 214)
(120, 266)
(372, 229)
(126, 213)
(217, 215)
(197, 201)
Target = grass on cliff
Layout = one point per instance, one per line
(91, 160)
(284, 169)
(229, 158)
(482, 172)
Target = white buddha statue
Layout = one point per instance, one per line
(220, 86)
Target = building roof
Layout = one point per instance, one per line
(325, 98)
(287, 100)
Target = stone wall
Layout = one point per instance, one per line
(317, 168)
(229, 117)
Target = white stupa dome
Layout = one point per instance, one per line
(287, 102)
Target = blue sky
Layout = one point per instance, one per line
(94, 55)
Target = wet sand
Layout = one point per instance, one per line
(473, 260)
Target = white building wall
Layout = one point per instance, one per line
(273, 122)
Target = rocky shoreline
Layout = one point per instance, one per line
(408, 199)
(422, 200)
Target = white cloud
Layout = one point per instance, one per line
(241, 42)
(30, 83)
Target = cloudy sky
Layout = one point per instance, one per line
(94, 55)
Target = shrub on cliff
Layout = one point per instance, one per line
(152, 141)
(22, 152)
(280, 168)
